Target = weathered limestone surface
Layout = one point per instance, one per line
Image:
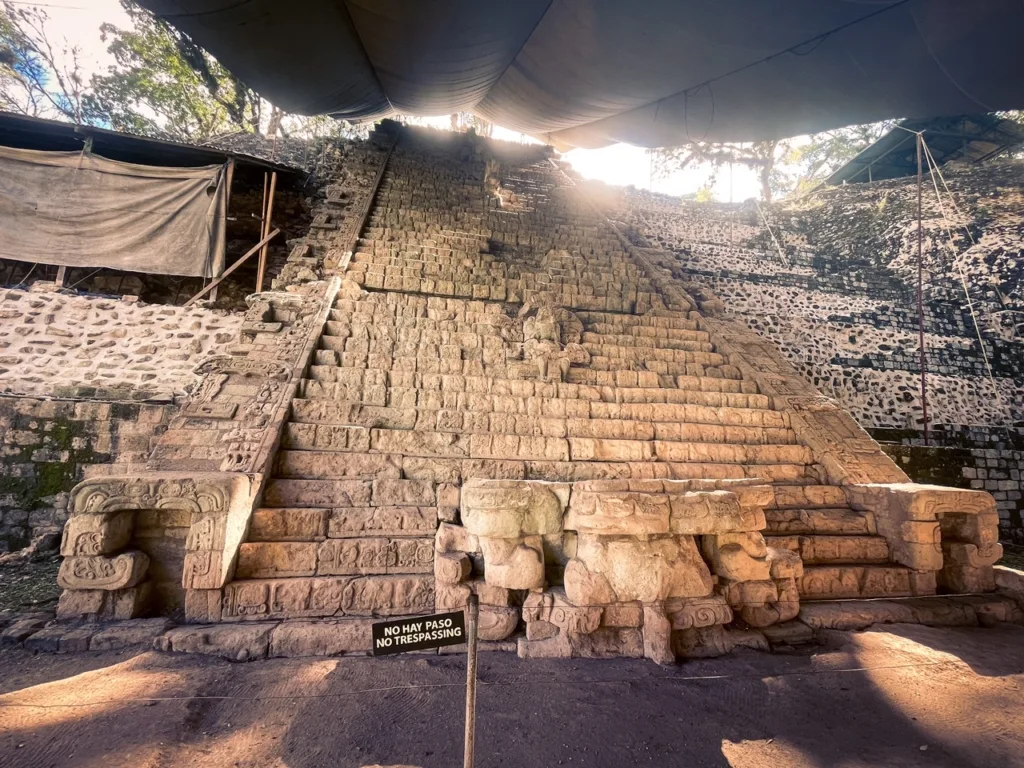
(494, 393)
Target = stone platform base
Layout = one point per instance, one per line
(249, 641)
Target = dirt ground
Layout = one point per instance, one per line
(903, 696)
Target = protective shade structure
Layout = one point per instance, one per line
(77, 209)
(587, 73)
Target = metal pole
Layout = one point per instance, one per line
(474, 614)
(920, 291)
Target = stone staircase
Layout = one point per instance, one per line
(506, 398)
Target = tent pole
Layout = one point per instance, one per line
(920, 293)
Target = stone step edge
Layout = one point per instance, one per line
(971, 610)
(721, 419)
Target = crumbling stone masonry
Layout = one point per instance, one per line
(492, 391)
(833, 284)
(86, 384)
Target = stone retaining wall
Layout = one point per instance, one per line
(59, 345)
(47, 446)
(833, 285)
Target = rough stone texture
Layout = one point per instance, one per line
(489, 390)
(47, 446)
(832, 284)
(54, 345)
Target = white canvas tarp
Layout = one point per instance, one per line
(77, 209)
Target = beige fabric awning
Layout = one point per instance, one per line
(77, 209)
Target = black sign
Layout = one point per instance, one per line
(419, 633)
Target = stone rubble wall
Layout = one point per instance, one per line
(839, 301)
(47, 446)
(55, 345)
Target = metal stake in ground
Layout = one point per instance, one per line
(474, 615)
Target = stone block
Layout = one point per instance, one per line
(497, 623)
(126, 634)
(737, 556)
(103, 573)
(657, 635)
(236, 642)
(323, 637)
(455, 538)
(105, 604)
(509, 509)
(513, 563)
(276, 559)
(376, 555)
(452, 567)
(553, 607)
(91, 535)
(707, 512)
(632, 569)
(633, 514)
(698, 612)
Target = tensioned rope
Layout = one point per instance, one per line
(933, 168)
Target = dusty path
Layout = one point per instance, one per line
(919, 697)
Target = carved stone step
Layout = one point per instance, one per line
(809, 497)
(302, 464)
(593, 319)
(327, 494)
(364, 556)
(822, 521)
(328, 596)
(328, 437)
(354, 412)
(474, 422)
(317, 524)
(718, 369)
(822, 549)
(645, 333)
(439, 393)
(646, 354)
(944, 611)
(698, 343)
(826, 582)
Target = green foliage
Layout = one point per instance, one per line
(37, 78)
(165, 85)
(782, 166)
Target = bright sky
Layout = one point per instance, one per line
(78, 22)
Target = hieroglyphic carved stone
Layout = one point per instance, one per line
(106, 573)
(512, 508)
(87, 535)
(342, 557)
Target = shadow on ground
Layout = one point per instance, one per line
(865, 699)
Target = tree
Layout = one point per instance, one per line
(163, 84)
(37, 77)
(824, 152)
(782, 166)
(761, 156)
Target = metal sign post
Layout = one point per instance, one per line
(474, 615)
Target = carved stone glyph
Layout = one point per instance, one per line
(103, 573)
(508, 509)
(648, 570)
(104, 534)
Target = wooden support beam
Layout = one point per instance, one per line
(61, 274)
(232, 268)
(262, 269)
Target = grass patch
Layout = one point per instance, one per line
(31, 584)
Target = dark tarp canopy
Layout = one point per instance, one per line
(587, 73)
